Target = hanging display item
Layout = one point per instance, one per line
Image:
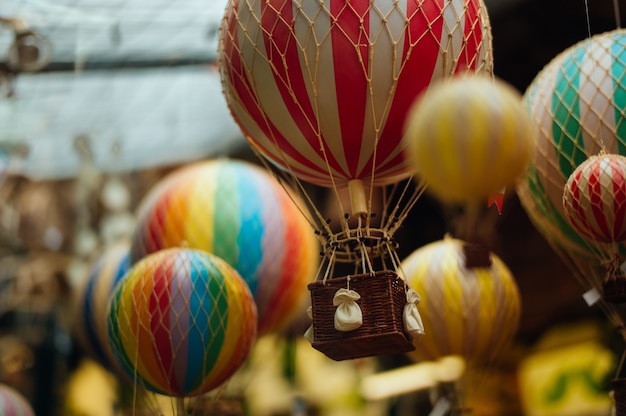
(578, 107)
(594, 203)
(469, 138)
(93, 301)
(473, 312)
(321, 91)
(12, 403)
(181, 322)
(240, 213)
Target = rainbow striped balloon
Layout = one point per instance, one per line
(578, 105)
(469, 138)
(594, 199)
(12, 403)
(240, 213)
(473, 312)
(181, 322)
(106, 271)
(323, 87)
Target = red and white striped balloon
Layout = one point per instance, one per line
(594, 198)
(322, 87)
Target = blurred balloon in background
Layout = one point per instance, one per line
(93, 302)
(182, 322)
(469, 137)
(238, 212)
(12, 403)
(470, 312)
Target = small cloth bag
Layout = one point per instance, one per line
(308, 334)
(348, 315)
(411, 317)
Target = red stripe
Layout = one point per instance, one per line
(419, 55)
(237, 77)
(350, 68)
(619, 198)
(159, 315)
(284, 55)
(577, 215)
(473, 36)
(603, 231)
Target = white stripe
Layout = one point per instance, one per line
(385, 61)
(264, 85)
(450, 38)
(317, 57)
(597, 117)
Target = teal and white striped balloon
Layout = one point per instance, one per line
(578, 105)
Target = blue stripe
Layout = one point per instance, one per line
(251, 231)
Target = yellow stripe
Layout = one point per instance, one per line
(199, 227)
(473, 313)
(240, 329)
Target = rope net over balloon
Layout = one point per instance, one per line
(181, 323)
(321, 91)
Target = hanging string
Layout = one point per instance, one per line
(587, 17)
(618, 19)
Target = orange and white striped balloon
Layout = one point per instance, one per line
(594, 198)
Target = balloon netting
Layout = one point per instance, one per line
(179, 330)
(281, 61)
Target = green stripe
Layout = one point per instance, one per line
(567, 133)
(214, 303)
(618, 72)
(549, 213)
(226, 221)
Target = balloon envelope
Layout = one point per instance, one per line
(238, 212)
(594, 198)
(578, 106)
(106, 272)
(469, 137)
(323, 87)
(12, 403)
(470, 312)
(181, 322)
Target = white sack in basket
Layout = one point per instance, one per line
(348, 315)
(308, 334)
(411, 317)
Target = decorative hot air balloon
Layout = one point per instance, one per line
(238, 212)
(578, 105)
(181, 322)
(470, 137)
(106, 272)
(470, 312)
(12, 403)
(321, 90)
(594, 203)
(594, 198)
(578, 108)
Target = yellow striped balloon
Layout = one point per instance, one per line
(469, 137)
(471, 312)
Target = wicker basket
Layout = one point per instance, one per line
(383, 296)
(614, 287)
